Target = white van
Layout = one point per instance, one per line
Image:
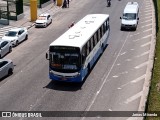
(130, 16)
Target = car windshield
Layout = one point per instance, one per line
(41, 17)
(129, 16)
(11, 33)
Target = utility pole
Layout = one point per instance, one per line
(33, 10)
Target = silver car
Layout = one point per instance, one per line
(16, 35)
(5, 47)
(6, 67)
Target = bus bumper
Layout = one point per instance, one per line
(77, 78)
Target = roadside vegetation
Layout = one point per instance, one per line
(153, 103)
(27, 2)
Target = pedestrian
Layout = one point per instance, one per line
(68, 3)
(64, 4)
(108, 3)
(54, 1)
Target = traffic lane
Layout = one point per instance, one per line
(49, 106)
(129, 72)
(23, 56)
(72, 101)
(78, 94)
(37, 43)
(141, 71)
(27, 51)
(21, 84)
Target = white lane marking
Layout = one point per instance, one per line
(134, 97)
(115, 76)
(106, 75)
(128, 60)
(119, 88)
(118, 64)
(142, 15)
(139, 79)
(143, 54)
(147, 36)
(148, 6)
(136, 40)
(146, 44)
(123, 53)
(147, 30)
(146, 25)
(142, 38)
(134, 34)
(109, 110)
(148, 14)
(125, 72)
(145, 21)
(147, 3)
(141, 65)
(144, 18)
(132, 49)
(145, 11)
(133, 81)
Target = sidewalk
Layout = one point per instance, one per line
(26, 21)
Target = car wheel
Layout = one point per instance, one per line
(10, 71)
(10, 49)
(26, 37)
(135, 28)
(121, 28)
(17, 43)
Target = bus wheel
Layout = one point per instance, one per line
(102, 47)
(89, 69)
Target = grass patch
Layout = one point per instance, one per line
(28, 2)
(153, 103)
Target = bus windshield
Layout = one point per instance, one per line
(65, 60)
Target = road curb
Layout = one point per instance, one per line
(147, 83)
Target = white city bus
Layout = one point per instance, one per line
(72, 55)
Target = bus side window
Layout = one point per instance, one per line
(99, 34)
(88, 48)
(91, 43)
(84, 53)
(107, 23)
(104, 27)
(102, 30)
(95, 38)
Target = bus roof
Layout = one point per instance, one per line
(79, 34)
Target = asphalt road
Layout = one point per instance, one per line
(118, 82)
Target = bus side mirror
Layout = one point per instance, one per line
(120, 17)
(47, 57)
